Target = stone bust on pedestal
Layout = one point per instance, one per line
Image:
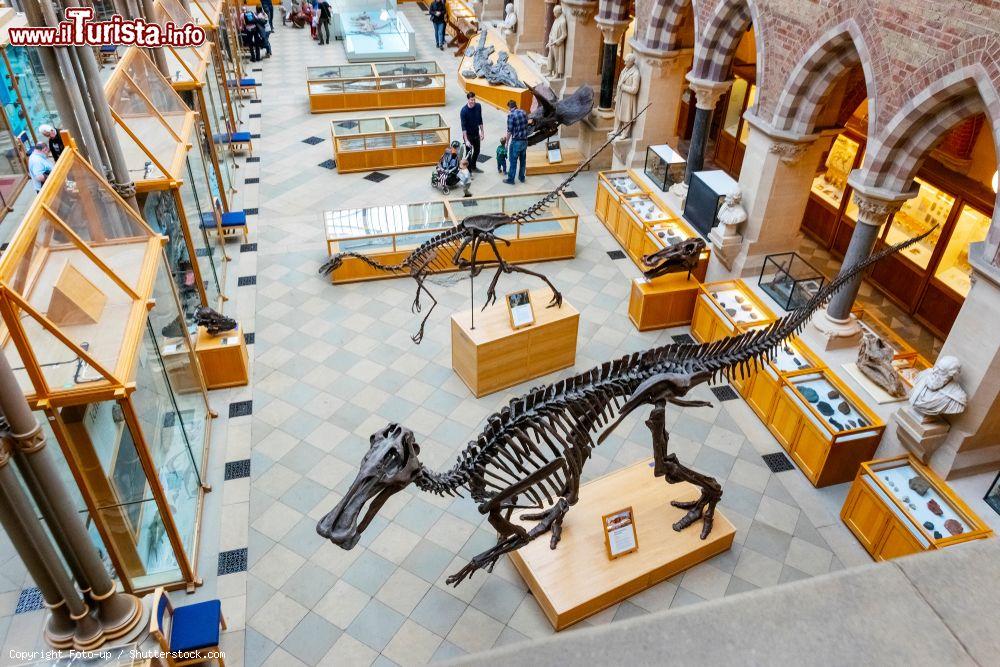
(920, 426)
(509, 20)
(726, 241)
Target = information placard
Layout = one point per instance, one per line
(619, 533)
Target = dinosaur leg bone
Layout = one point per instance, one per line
(419, 336)
(507, 267)
(673, 471)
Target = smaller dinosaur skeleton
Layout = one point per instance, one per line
(530, 454)
(444, 251)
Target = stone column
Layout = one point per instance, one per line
(582, 45)
(531, 33)
(707, 95)
(775, 181)
(971, 445)
(663, 83)
(70, 624)
(875, 206)
(612, 32)
(118, 612)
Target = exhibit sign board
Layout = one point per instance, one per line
(619, 533)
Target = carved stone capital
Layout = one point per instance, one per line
(873, 210)
(581, 10)
(787, 152)
(707, 92)
(658, 60)
(612, 31)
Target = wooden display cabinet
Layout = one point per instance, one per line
(388, 234)
(890, 518)
(761, 388)
(86, 312)
(389, 142)
(826, 452)
(382, 85)
(223, 359)
(727, 308)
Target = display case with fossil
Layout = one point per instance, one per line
(664, 166)
(953, 268)
(897, 507)
(790, 280)
(644, 210)
(832, 183)
(929, 208)
(829, 404)
(739, 305)
(379, 85)
(871, 324)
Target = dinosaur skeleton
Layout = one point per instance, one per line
(444, 251)
(674, 258)
(531, 453)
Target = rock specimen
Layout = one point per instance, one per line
(824, 408)
(934, 507)
(920, 485)
(844, 408)
(953, 527)
(833, 394)
(809, 394)
(928, 525)
(937, 535)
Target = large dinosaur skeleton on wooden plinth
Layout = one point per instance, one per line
(530, 454)
(444, 251)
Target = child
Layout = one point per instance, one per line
(502, 158)
(465, 177)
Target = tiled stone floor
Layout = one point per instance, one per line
(330, 365)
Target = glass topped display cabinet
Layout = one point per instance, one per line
(826, 428)
(790, 280)
(380, 85)
(664, 166)
(929, 208)
(90, 324)
(374, 30)
(953, 269)
(389, 233)
(873, 325)
(389, 142)
(761, 388)
(176, 183)
(611, 187)
(727, 308)
(897, 507)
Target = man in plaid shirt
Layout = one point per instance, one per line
(517, 142)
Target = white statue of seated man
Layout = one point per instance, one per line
(935, 391)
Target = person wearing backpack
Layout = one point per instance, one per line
(438, 13)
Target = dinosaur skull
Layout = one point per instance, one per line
(389, 466)
(678, 257)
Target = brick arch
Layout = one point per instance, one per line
(892, 160)
(663, 31)
(716, 44)
(836, 51)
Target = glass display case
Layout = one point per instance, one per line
(832, 183)
(731, 143)
(953, 269)
(725, 309)
(828, 404)
(25, 91)
(374, 30)
(929, 208)
(389, 142)
(381, 85)
(871, 324)
(761, 388)
(706, 193)
(390, 232)
(89, 324)
(898, 507)
(664, 166)
(790, 280)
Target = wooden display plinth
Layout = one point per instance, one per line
(223, 359)
(665, 302)
(493, 356)
(577, 580)
(498, 96)
(538, 161)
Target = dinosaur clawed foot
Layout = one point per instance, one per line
(417, 337)
(703, 508)
(491, 298)
(557, 300)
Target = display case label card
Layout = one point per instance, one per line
(619, 533)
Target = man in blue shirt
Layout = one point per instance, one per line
(517, 142)
(473, 131)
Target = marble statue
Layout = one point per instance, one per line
(557, 44)
(503, 73)
(731, 213)
(509, 20)
(935, 390)
(627, 95)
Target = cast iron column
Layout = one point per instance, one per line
(611, 33)
(707, 94)
(118, 612)
(70, 624)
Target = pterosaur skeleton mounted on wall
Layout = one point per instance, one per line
(444, 251)
(531, 453)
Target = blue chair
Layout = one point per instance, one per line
(225, 224)
(237, 141)
(187, 634)
(243, 86)
(108, 53)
